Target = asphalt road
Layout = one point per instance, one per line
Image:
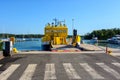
(118, 57)
(60, 67)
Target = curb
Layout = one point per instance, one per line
(61, 52)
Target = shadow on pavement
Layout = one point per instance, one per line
(5, 62)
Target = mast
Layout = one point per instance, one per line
(72, 24)
(56, 22)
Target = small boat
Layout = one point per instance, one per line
(114, 40)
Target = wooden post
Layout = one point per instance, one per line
(106, 49)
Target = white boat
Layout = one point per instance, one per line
(114, 40)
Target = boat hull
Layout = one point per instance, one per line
(114, 42)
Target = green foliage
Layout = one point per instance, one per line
(1, 45)
(103, 34)
(69, 36)
(5, 35)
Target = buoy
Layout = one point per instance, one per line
(109, 52)
(15, 50)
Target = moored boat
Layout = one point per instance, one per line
(54, 34)
(114, 40)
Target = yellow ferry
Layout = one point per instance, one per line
(56, 34)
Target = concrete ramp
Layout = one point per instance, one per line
(90, 47)
(64, 48)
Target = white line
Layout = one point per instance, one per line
(116, 64)
(91, 71)
(109, 70)
(28, 73)
(50, 72)
(72, 74)
(5, 74)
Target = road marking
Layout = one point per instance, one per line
(72, 74)
(28, 73)
(116, 64)
(91, 71)
(50, 72)
(109, 70)
(5, 74)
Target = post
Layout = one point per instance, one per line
(7, 48)
(106, 49)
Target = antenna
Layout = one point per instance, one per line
(62, 21)
(72, 24)
(56, 23)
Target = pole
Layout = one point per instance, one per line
(72, 31)
(72, 24)
(106, 49)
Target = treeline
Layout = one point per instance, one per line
(6, 35)
(103, 34)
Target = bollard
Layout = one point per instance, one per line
(15, 50)
(108, 51)
(7, 48)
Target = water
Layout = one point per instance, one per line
(28, 45)
(103, 44)
(109, 45)
(35, 44)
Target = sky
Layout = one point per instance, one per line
(31, 16)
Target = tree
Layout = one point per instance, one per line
(103, 34)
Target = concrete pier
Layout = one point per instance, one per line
(84, 47)
(69, 49)
(89, 47)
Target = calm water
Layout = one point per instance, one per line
(36, 45)
(103, 44)
(28, 45)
